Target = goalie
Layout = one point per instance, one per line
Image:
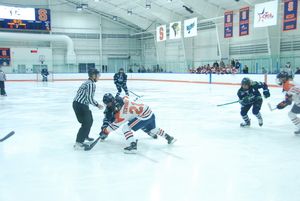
(137, 116)
(45, 74)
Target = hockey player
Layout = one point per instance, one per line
(249, 96)
(292, 90)
(84, 97)
(44, 74)
(137, 116)
(120, 80)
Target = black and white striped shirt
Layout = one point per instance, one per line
(85, 93)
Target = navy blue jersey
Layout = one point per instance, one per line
(109, 117)
(120, 78)
(44, 72)
(252, 93)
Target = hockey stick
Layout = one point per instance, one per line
(7, 136)
(136, 94)
(92, 145)
(228, 103)
(271, 109)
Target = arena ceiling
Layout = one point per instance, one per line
(143, 19)
(161, 11)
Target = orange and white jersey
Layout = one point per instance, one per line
(293, 89)
(129, 111)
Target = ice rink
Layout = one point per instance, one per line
(214, 159)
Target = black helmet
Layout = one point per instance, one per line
(92, 72)
(118, 102)
(246, 81)
(282, 74)
(108, 98)
(121, 69)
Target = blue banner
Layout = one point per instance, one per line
(290, 16)
(244, 21)
(4, 56)
(228, 24)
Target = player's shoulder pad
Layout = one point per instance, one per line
(288, 85)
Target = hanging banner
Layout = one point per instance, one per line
(161, 33)
(5, 56)
(266, 14)
(175, 30)
(244, 21)
(190, 27)
(290, 16)
(228, 24)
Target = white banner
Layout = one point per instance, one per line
(175, 30)
(266, 14)
(161, 33)
(190, 27)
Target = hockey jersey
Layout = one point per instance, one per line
(128, 112)
(293, 89)
(120, 78)
(252, 93)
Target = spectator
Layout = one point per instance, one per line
(130, 70)
(216, 64)
(222, 64)
(245, 69)
(232, 63)
(297, 71)
(143, 70)
(264, 71)
(237, 64)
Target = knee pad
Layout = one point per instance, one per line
(126, 128)
(292, 115)
(255, 110)
(243, 113)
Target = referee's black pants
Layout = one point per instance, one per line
(2, 86)
(84, 116)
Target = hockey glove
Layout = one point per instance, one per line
(266, 93)
(246, 99)
(288, 99)
(281, 105)
(103, 135)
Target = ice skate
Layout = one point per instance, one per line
(89, 139)
(297, 133)
(131, 149)
(171, 140)
(245, 124)
(80, 146)
(260, 122)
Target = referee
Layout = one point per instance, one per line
(84, 97)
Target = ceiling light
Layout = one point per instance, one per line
(115, 18)
(79, 7)
(129, 12)
(96, 0)
(169, 0)
(84, 5)
(148, 6)
(188, 9)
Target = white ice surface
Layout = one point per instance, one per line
(213, 160)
